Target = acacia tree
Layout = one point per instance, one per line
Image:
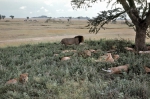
(27, 18)
(137, 10)
(12, 17)
(3, 16)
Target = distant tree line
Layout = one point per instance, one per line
(3, 16)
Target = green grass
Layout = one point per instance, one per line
(78, 78)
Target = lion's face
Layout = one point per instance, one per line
(23, 78)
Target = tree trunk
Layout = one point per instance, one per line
(140, 37)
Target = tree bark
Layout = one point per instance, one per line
(141, 25)
(140, 38)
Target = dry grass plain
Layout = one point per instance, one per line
(14, 32)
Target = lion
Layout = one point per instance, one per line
(65, 58)
(147, 70)
(70, 41)
(118, 69)
(12, 81)
(85, 53)
(116, 57)
(23, 78)
(123, 68)
(109, 58)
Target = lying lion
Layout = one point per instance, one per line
(23, 78)
(117, 70)
(147, 70)
(123, 68)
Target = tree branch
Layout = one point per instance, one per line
(148, 15)
(130, 24)
(131, 3)
(130, 11)
(144, 10)
(103, 18)
(82, 3)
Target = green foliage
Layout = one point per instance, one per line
(104, 17)
(77, 78)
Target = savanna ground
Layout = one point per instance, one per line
(78, 78)
(17, 31)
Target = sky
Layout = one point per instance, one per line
(50, 8)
